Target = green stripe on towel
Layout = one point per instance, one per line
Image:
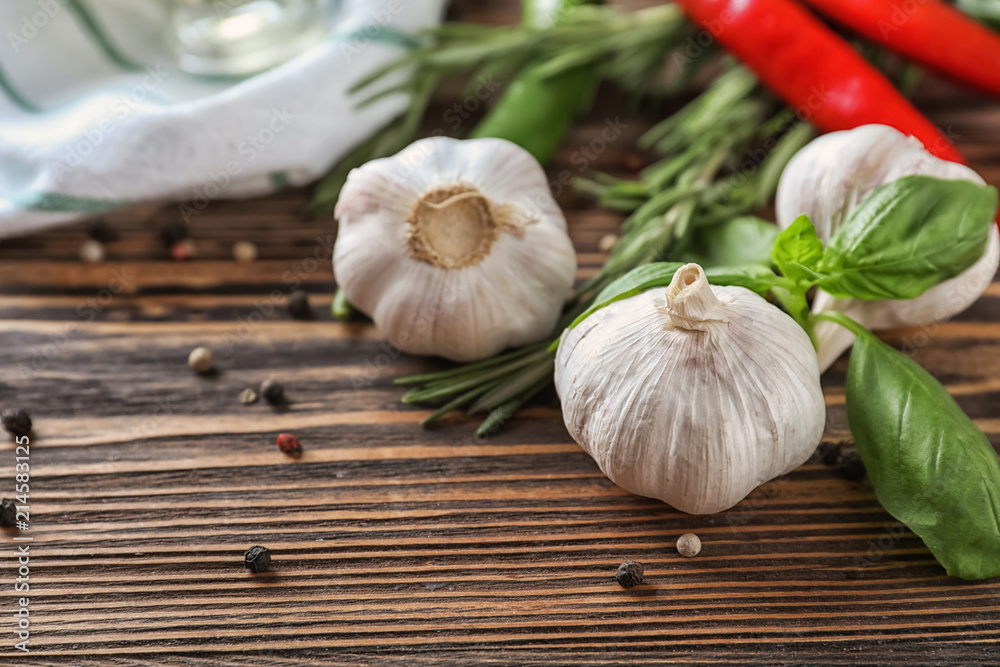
(51, 202)
(279, 180)
(85, 16)
(19, 100)
(378, 33)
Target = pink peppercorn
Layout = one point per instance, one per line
(289, 444)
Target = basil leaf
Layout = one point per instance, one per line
(797, 251)
(754, 277)
(932, 468)
(908, 236)
(736, 242)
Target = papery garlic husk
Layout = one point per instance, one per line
(833, 174)
(695, 395)
(454, 248)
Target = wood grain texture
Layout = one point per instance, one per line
(394, 544)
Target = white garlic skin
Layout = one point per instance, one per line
(511, 296)
(833, 174)
(694, 395)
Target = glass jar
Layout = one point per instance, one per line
(240, 37)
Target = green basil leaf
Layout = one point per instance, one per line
(908, 236)
(932, 468)
(754, 277)
(797, 251)
(736, 242)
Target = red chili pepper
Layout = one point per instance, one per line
(928, 31)
(812, 68)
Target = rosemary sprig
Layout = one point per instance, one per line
(628, 47)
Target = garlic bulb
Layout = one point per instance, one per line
(694, 395)
(834, 173)
(454, 248)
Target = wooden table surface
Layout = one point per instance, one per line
(396, 544)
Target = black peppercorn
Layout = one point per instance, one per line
(7, 513)
(102, 232)
(17, 422)
(298, 305)
(629, 573)
(257, 559)
(272, 392)
(829, 453)
(173, 233)
(852, 468)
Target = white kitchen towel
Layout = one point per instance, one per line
(94, 113)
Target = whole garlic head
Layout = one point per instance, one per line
(833, 174)
(454, 248)
(695, 395)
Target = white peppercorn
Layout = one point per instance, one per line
(92, 251)
(688, 545)
(201, 360)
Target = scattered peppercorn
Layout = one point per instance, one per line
(289, 444)
(852, 468)
(830, 453)
(244, 251)
(257, 559)
(102, 232)
(16, 422)
(91, 252)
(298, 305)
(201, 360)
(8, 513)
(607, 242)
(633, 162)
(629, 573)
(182, 251)
(173, 233)
(272, 392)
(689, 545)
(248, 396)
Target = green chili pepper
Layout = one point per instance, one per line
(535, 111)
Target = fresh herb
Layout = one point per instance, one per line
(552, 68)
(706, 177)
(797, 252)
(908, 236)
(931, 466)
(737, 242)
(341, 309)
